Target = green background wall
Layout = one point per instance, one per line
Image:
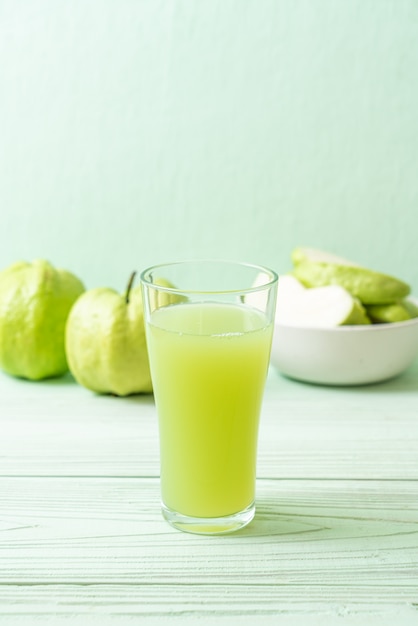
(140, 131)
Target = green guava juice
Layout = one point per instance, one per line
(208, 363)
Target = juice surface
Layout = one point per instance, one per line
(208, 364)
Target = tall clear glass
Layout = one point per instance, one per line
(209, 327)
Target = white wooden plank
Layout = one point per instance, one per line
(70, 544)
(84, 542)
(59, 428)
(401, 616)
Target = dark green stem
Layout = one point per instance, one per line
(129, 287)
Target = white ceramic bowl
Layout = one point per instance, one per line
(347, 355)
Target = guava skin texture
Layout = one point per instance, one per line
(106, 345)
(402, 311)
(35, 300)
(315, 268)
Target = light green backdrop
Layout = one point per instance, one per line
(139, 131)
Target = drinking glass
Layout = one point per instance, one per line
(209, 327)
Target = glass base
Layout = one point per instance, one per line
(209, 525)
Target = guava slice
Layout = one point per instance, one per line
(316, 268)
(290, 287)
(326, 307)
(389, 313)
(411, 307)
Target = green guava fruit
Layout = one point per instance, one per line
(324, 307)
(162, 294)
(105, 342)
(315, 268)
(35, 300)
(388, 313)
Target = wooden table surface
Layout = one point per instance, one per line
(334, 540)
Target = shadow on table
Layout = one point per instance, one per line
(404, 383)
(282, 521)
(57, 381)
(68, 380)
(271, 520)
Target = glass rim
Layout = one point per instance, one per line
(271, 278)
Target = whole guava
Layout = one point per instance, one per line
(35, 300)
(105, 342)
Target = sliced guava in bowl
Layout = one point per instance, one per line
(326, 307)
(401, 311)
(316, 268)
